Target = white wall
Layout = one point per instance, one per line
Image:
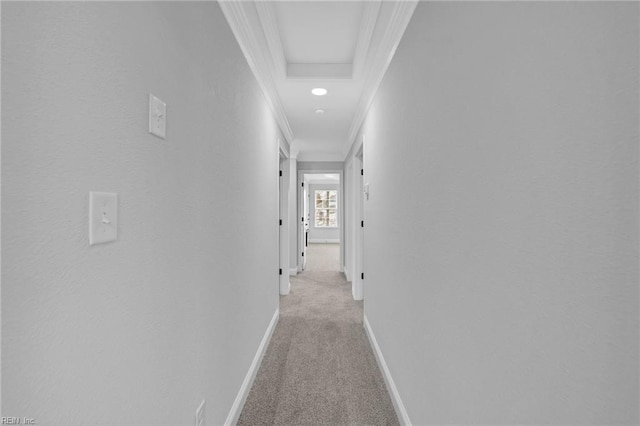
(322, 235)
(502, 157)
(142, 329)
(0, 226)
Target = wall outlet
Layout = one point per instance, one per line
(200, 415)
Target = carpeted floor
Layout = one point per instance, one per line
(319, 368)
(323, 257)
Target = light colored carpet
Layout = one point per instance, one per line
(319, 368)
(323, 257)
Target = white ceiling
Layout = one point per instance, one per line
(294, 46)
(319, 40)
(319, 32)
(319, 135)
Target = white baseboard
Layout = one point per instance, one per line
(238, 404)
(293, 272)
(324, 241)
(401, 412)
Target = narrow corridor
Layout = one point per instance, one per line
(176, 175)
(319, 367)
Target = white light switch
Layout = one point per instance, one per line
(157, 117)
(103, 217)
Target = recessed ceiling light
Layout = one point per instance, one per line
(319, 111)
(319, 91)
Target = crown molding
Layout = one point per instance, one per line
(285, 148)
(238, 14)
(367, 26)
(381, 55)
(269, 22)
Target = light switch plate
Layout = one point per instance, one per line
(157, 117)
(103, 217)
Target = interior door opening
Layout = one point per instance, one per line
(284, 285)
(321, 226)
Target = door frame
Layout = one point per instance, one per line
(349, 265)
(284, 180)
(341, 200)
(357, 289)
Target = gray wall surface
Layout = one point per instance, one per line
(332, 234)
(141, 330)
(502, 157)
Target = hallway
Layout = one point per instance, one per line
(165, 164)
(319, 367)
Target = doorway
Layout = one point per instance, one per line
(284, 285)
(321, 226)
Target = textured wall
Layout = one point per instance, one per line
(502, 227)
(138, 331)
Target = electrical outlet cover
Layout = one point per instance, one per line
(103, 217)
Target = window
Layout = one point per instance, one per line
(326, 209)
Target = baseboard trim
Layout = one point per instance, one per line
(293, 272)
(324, 241)
(241, 398)
(401, 412)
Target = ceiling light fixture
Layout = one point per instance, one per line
(319, 111)
(319, 91)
